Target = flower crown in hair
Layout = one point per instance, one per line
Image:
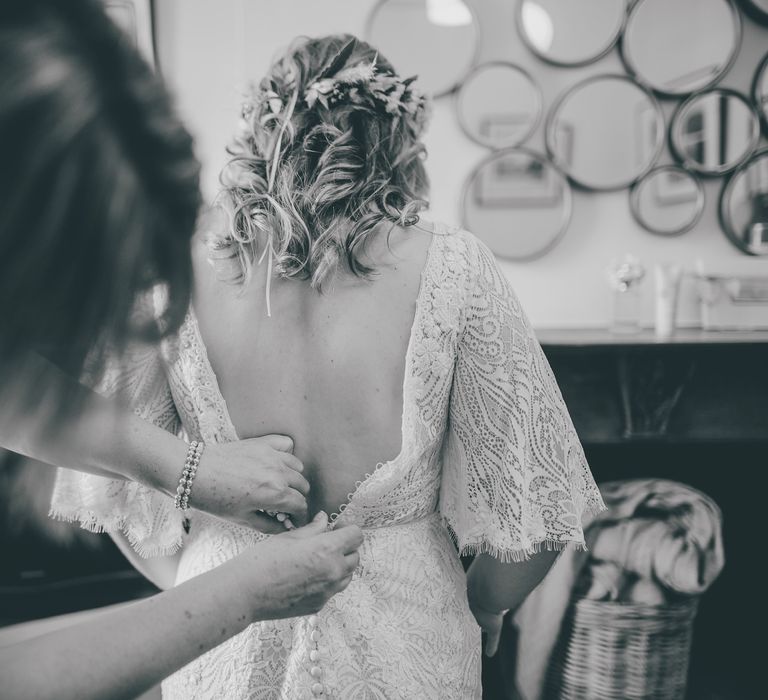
(357, 84)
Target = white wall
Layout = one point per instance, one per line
(209, 49)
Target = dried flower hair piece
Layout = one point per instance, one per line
(330, 90)
(361, 83)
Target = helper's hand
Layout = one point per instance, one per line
(239, 480)
(306, 567)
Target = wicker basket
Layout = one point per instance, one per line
(617, 651)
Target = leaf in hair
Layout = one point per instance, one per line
(360, 73)
(338, 60)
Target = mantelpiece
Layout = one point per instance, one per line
(601, 338)
(696, 386)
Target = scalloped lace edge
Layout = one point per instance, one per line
(508, 555)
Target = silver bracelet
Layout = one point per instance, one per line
(184, 489)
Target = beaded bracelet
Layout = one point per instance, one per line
(183, 490)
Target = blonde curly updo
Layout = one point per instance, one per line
(329, 148)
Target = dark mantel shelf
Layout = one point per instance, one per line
(604, 338)
(697, 386)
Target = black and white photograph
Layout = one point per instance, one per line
(383, 349)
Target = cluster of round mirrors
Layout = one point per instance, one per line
(605, 132)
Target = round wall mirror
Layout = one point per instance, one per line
(744, 206)
(713, 132)
(668, 201)
(499, 105)
(756, 9)
(760, 92)
(434, 40)
(679, 47)
(518, 203)
(569, 33)
(605, 133)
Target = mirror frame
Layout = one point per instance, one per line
(634, 201)
(472, 61)
(758, 14)
(632, 70)
(539, 104)
(569, 64)
(762, 110)
(692, 165)
(548, 132)
(567, 204)
(725, 193)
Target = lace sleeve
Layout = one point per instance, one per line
(515, 479)
(147, 517)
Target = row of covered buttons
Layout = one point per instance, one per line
(314, 656)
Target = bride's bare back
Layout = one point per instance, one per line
(326, 369)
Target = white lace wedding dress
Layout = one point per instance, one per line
(489, 461)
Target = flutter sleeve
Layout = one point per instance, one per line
(515, 479)
(147, 517)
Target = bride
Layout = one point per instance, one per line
(395, 354)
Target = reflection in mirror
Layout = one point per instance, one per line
(434, 39)
(760, 91)
(668, 201)
(605, 132)
(744, 206)
(714, 131)
(499, 105)
(756, 9)
(570, 33)
(679, 47)
(518, 203)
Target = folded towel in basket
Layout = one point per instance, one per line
(661, 531)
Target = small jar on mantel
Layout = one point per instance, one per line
(625, 277)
